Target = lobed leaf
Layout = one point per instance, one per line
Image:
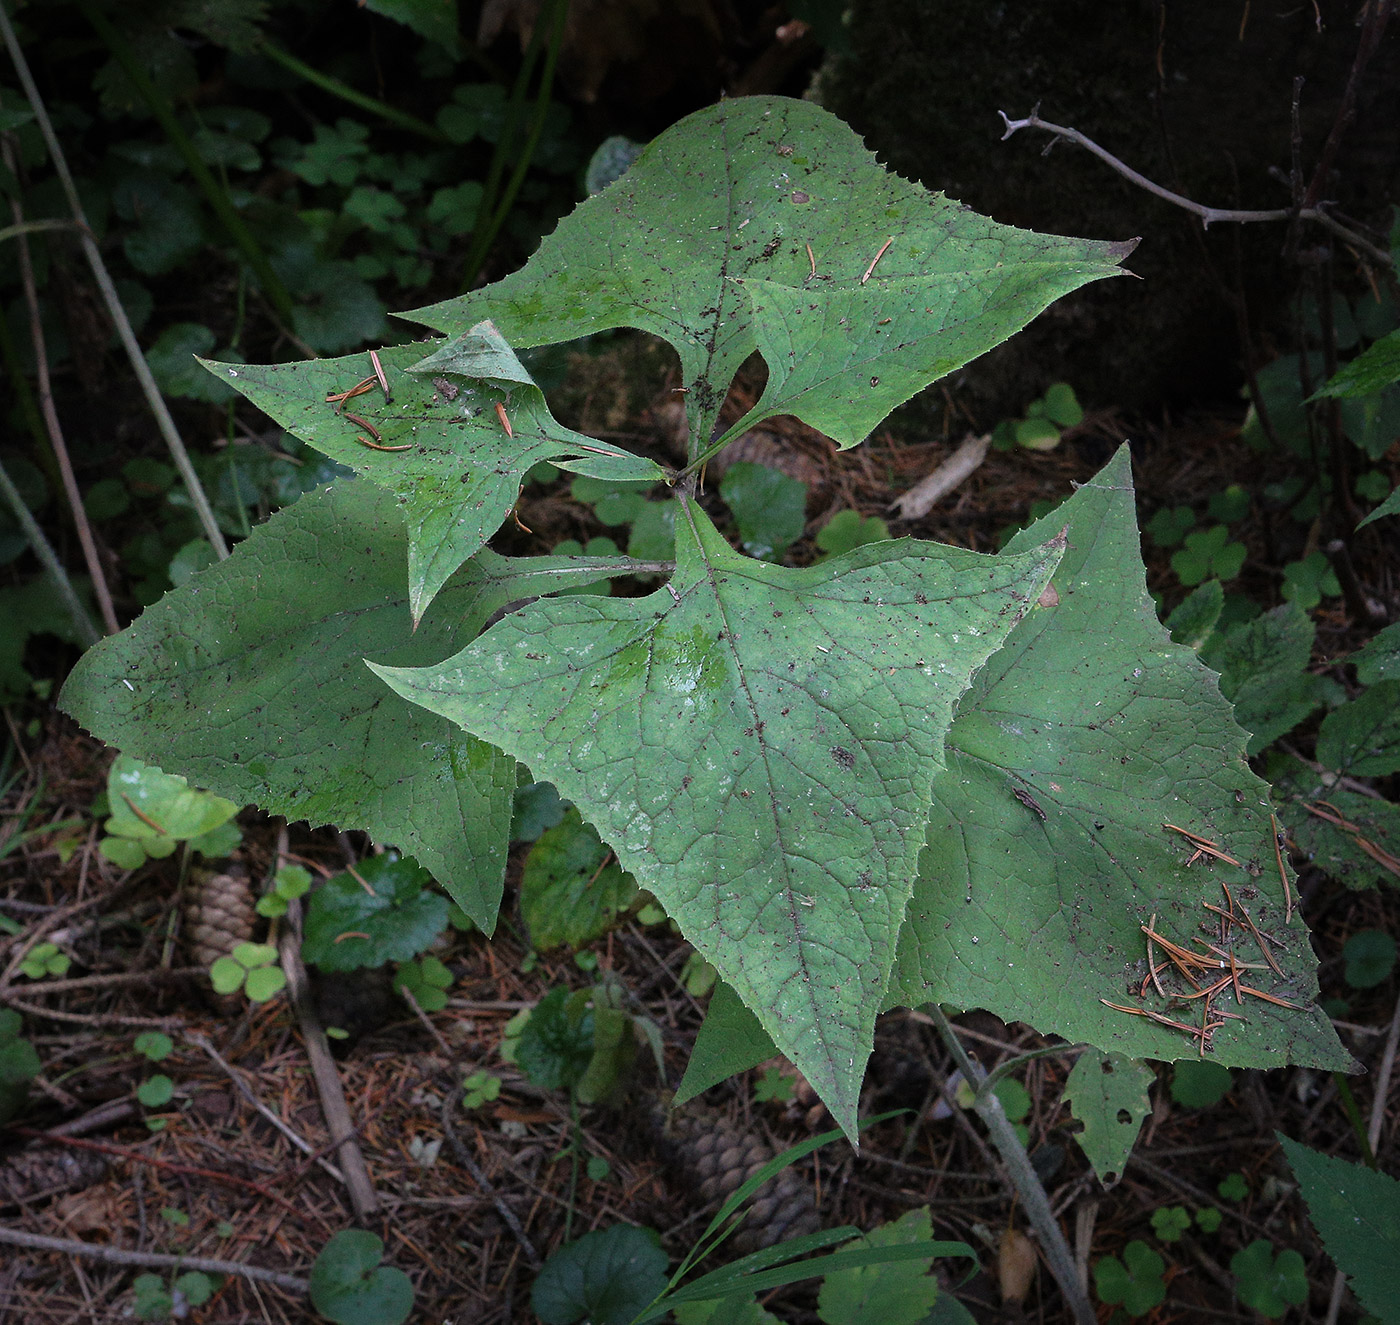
(705, 242)
(1047, 850)
(757, 745)
(462, 471)
(250, 680)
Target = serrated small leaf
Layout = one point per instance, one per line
(572, 889)
(1357, 1213)
(895, 1293)
(607, 1277)
(1108, 1094)
(462, 472)
(383, 911)
(1362, 738)
(752, 766)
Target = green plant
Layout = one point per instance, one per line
(1209, 553)
(153, 812)
(289, 883)
(1233, 1187)
(1357, 1213)
(480, 1087)
(1135, 1282)
(350, 1287)
(155, 1092)
(381, 910)
(738, 693)
(773, 1085)
(1170, 1222)
(572, 889)
(848, 530)
(1044, 423)
(768, 506)
(1209, 1219)
(45, 959)
(251, 967)
(1269, 1284)
(1198, 1084)
(19, 1065)
(427, 980)
(159, 1299)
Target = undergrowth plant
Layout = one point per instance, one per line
(908, 775)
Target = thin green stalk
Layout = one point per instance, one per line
(522, 164)
(115, 310)
(82, 622)
(1023, 1176)
(1353, 1114)
(216, 197)
(390, 115)
(1020, 1060)
(30, 227)
(486, 228)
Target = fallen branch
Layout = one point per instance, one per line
(956, 469)
(1208, 215)
(152, 1259)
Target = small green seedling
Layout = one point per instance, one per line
(698, 976)
(1170, 524)
(157, 1300)
(174, 1217)
(251, 967)
(156, 1091)
(1229, 506)
(1207, 553)
(350, 1287)
(289, 883)
(1015, 1102)
(427, 980)
(767, 505)
(44, 959)
(1044, 423)
(153, 812)
(850, 529)
(1209, 1219)
(1135, 1283)
(1369, 957)
(597, 1168)
(773, 1085)
(1170, 1222)
(154, 1045)
(1233, 1187)
(481, 1087)
(1309, 581)
(1269, 1284)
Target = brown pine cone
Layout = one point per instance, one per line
(714, 1156)
(219, 914)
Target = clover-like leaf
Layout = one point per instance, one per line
(757, 745)
(757, 224)
(1047, 851)
(453, 464)
(251, 680)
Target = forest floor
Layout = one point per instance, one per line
(240, 1165)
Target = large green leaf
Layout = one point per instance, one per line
(463, 472)
(1357, 1212)
(250, 681)
(1046, 850)
(705, 242)
(757, 745)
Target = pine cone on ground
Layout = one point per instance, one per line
(710, 1153)
(219, 914)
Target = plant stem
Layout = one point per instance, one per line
(82, 623)
(109, 294)
(1023, 1177)
(401, 119)
(54, 429)
(216, 196)
(489, 218)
